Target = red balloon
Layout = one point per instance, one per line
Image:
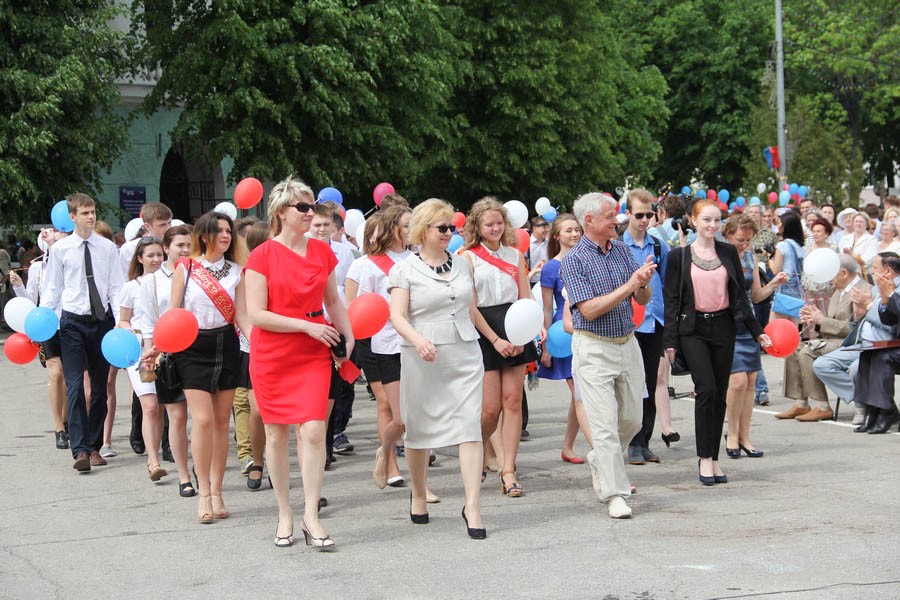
(785, 337)
(773, 197)
(459, 220)
(711, 195)
(368, 314)
(723, 206)
(175, 330)
(638, 312)
(248, 192)
(20, 349)
(380, 191)
(787, 187)
(343, 213)
(523, 240)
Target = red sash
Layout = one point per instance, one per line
(482, 253)
(213, 289)
(383, 262)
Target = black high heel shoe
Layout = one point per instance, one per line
(711, 480)
(417, 519)
(668, 438)
(475, 534)
(733, 452)
(751, 453)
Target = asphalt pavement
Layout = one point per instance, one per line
(815, 518)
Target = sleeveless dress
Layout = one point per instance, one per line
(560, 368)
(747, 357)
(291, 372)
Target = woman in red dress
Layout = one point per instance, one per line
(288, 279)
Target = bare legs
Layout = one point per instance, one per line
(663, 409)
(739, 409)
(57, 393)
(178, 438)
(393, 429)
(210, 415)
(151, 427)
(257, 435)
(110, 406)
(576, 420)
(503, 392)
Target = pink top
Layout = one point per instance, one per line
(710, 289)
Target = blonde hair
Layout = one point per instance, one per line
(473, 222)
(281, 196)
(426, 214)
(737, 222)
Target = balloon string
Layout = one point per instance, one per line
(371, 210)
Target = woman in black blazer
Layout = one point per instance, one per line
(704, 297)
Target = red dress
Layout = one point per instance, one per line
(291, 372)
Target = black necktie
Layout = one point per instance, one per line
(98, 310)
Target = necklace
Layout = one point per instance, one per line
(703, 263)
(441, 269)
(220, 272)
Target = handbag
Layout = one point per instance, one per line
(679, 364)
(787, 305)
(166, 370)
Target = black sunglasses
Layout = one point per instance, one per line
(646, 215)
(302, 207)
(445, 228)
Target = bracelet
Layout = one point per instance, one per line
(495, 340)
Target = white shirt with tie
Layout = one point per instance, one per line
(65, 280)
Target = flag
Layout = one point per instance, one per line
(770, 154)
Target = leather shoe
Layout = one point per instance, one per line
(816, 414)
(82, 462)
(649, 456)
(96, 459)
(62, 440)
(885, 421)
(635, 456)
(137, 445)
(869, 419)
(793, 412)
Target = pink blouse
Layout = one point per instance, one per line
(710, 289)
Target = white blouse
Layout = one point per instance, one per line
(156, 293)
(129, 297)
(373, 279)
(196, 300)
(493, 286)
(865, 248)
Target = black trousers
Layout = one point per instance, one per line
(651, 350)
(709, 351)
(874, 381)
(79, 339)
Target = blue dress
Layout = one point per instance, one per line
(747, 357)
(560, 368)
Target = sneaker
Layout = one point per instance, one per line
(246, 463)
(762, 398)
(107, 452)
(341, 444)
(618, 508)
(858, 417)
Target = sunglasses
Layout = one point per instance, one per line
(303, 207)
(146, 241)
(445, 228)
(646, 215)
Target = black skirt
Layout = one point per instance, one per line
(388, 367)
(495, 317)
(166, 395)
(212, 363)
(365, 360)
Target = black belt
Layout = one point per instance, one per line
(84, 318)
(713, 315)
(318, 313)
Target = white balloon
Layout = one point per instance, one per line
(537, 292)
(542, 205)
(15, 312)
(226, 208)
(517, 213)
(761, 188)
(821, 265)
(353, 219)
(177, 222)
(523, 322)
(132, 229)
(359, 236)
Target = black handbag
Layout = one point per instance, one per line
(166, 370)
(679, 364)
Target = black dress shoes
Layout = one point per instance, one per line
(885, 421)
(137, 445)
(869, 419)
(62, 440)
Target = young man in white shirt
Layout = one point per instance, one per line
(82, 279)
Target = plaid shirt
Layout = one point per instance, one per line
(588, 272)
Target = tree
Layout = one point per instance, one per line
(59, 131)
(338, 93)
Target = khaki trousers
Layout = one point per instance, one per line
(800, 381)
(242, 422)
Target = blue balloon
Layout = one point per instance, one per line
(724, 195)
(740, 202)
(731, 207)
(456, 243)
(784, 196)
(121, 348)
(330, 194)
(59, 216)
(550, 215)
(755, 201)
(41, 324)
(686, 190)
(559, 343)
(701, 194)
(793, 188)
(803, 190)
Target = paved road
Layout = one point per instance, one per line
(814, 519)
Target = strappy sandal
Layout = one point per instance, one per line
(156, 472)
(223, 513)
(204, 510)
(513, 490)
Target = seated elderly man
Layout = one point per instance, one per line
(837, 369)
(874, 381)
(800, 383)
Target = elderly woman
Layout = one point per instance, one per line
(889, 241)
(288, 279)
(859, 243)
(441, 372)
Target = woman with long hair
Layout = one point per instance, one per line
(155, 295)
(501, 278)
(705, 301)
(788, 257)
(564, 234)
(290, 283)
(739, 231)
(441, 377)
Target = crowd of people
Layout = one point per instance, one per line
(663, 283)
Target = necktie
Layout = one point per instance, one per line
(98, 310)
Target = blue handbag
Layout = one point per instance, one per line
(787, 305)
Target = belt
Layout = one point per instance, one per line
(611, 340)
(83, 318)
(714, 315)
(317, 313)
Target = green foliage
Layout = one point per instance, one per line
(58, 132)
